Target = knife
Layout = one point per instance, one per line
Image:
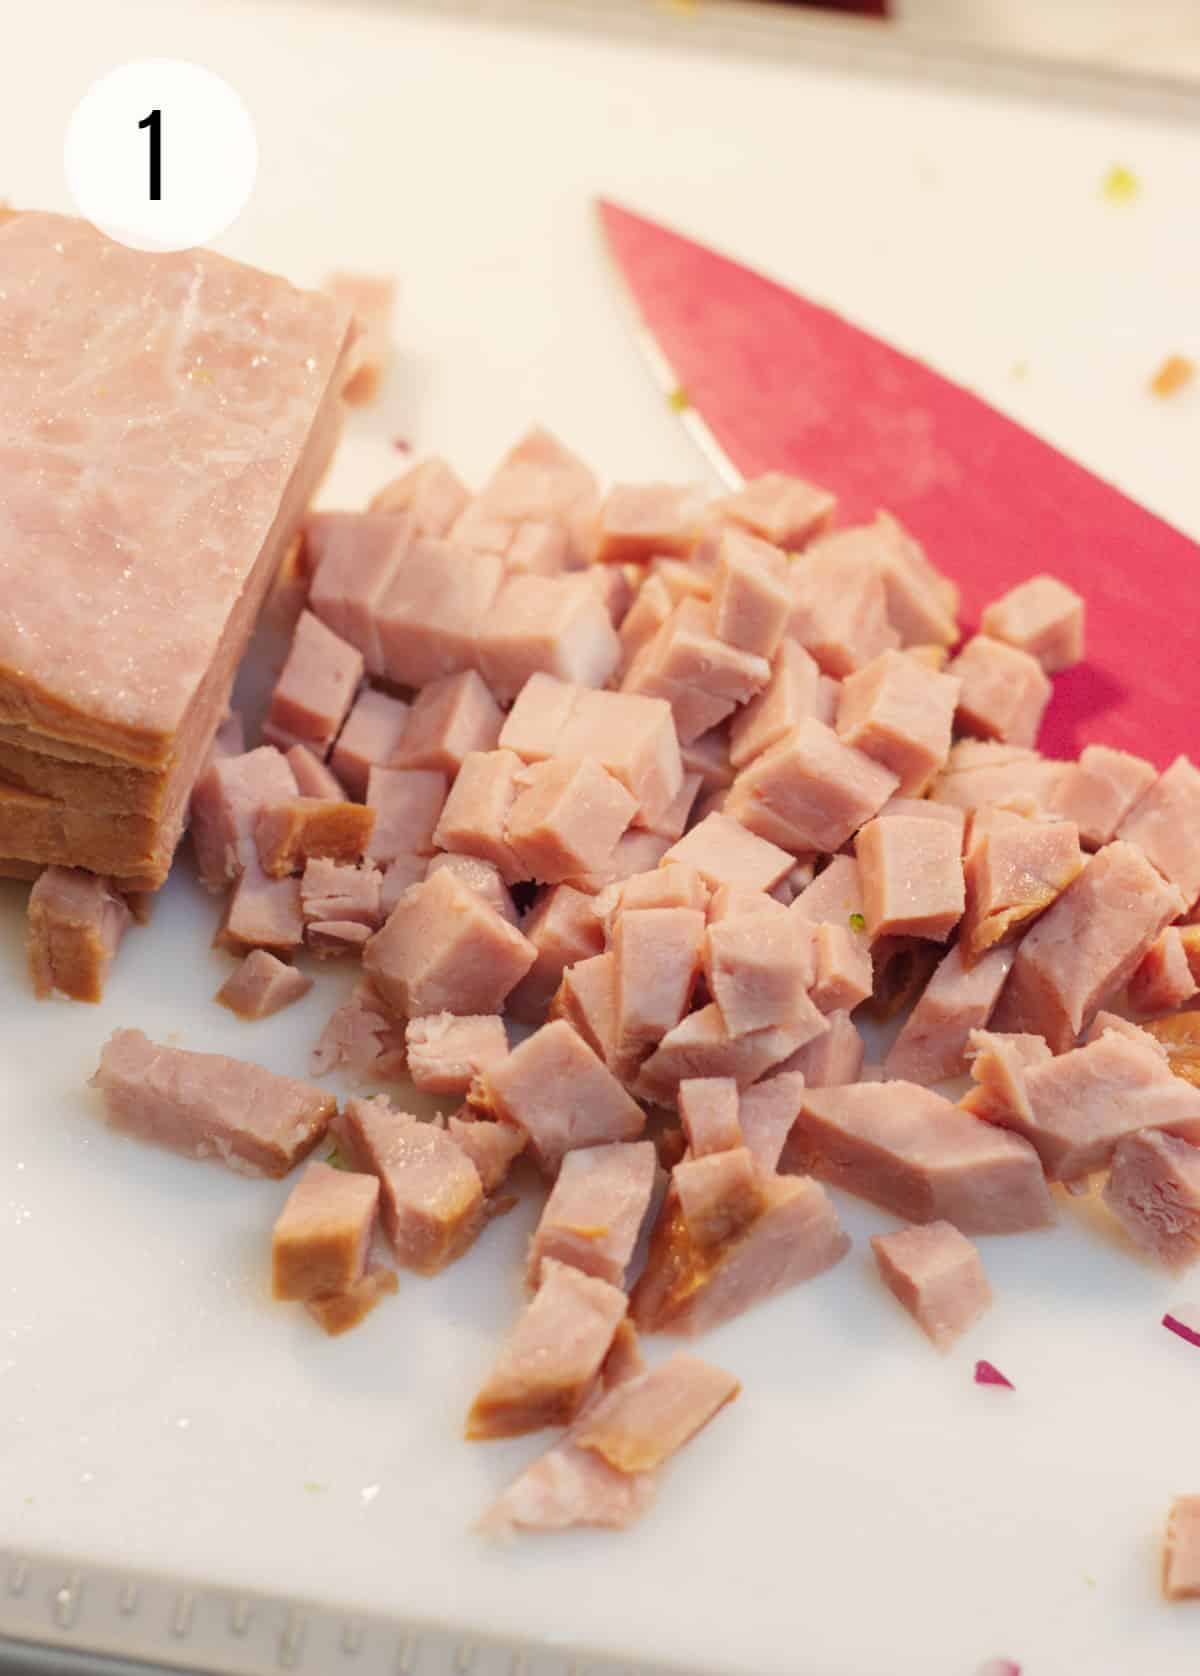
(766, 380)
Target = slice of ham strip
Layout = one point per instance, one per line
(932, 1044)
(75, 925)
(643, 1422)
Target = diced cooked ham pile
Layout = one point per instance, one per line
(677, 787)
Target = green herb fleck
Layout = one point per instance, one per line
(313, 1488)
(336, 1159)
(29, 1501)
(679, 400)
(1020, 369)
(858, 922)
(1089, 1580)
(1121, 185)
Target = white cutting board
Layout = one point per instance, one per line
(864, 1508)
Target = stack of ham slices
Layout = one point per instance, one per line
(628, 804)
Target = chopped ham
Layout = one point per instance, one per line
(313, 778)
(475, 814)
(362, 1037)
(921, 602)
(635, 852)
(1042, 617)
(912, 877)
(984, 771)
(371, 298)
(430, 492)
(708, 756)
(448, 720)
(323, 1233)
(370, 739)
(1154, 1192)
(809, 792)
(639, 520)
(999, 1063)
(758, 967)
(708, 1110)
(444, 949)
(408, 805)
(290, 834)
(337, 1312)
(587, 998)
(835, 896)
(1004, 691)
(923, 809)
(230, 738)
(936, 1273)
(1087, 946)
(830, 1060)
(205, 1105)
(563, 926)
(913, 1153)
(557, 625)
(331, 938)
(483, 877)
(353, 557)
(751, 598)
(1181, 1551)
(446, 1053)
(701, 677)
(538, 481)
(556, 1088)
(933, 1042)
(262, 985)
(331, 890)
(674, 820)
(651, 607)
(565, 818)
(843, 976)
(657, 953)
(262, 913)
(767, 1113)
(839, 606)
(672, 884)
(226, 802)
(786, 511)
(75, 924)
(1165, 825)
(315, 689)
(1014, 870)
(1099, 790)
(901, 715)
(595, 1211)
(434, 610)
(492, 1147)
(720, 1195)
(1164, 979)
(688, 1289)
(789, 696)
(700, 1046)
(691, 578)
(431, 1197)
(738, 901)
(542, 550)
(723, 852)
(643, 1421)
(399, 874)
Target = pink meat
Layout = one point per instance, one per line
(687, 1290)
(315, 689)
(919, 602)
(786, 511)
(538, 481)
(337, 1312)
(901, 715)
(332, 939)
(565, 818)
(758, 967)
(980, 772)
(541, 550)
(230, 738)
(408, 805)
(372, 299)
(474, 818)
(289, 834)
(701, 677)
(322, 1235)
(923, 809)
(913, 1153)
(708, 1110)
(639, 520)
(809, 792)
(936, 1273)
(720, 1195)
(751, 598)
(595, 1211)
(370, 739)
(1015, 869)
(789, 696)
(587, 999)
(676, 817)
(399, 874)
(739, 901)
(1165, 825)
(651, 607)
(563, 927)
(555, 1087)
(839, 607)
(1154, 1192)
(723, 852)
(640, 1424)
(353, 557)
(635, 852)
(700, 1046)
(1099, 790)
(431, 1197)
(1004, 691)
(657, 953)
(1087, 946)
(550, 1361)
(768, 1111)
(672, 884)
(932, 1044)
(1181, 1551)
(1041, 616)
(312, 777)
(75, 924)
(835, 896)
(483, 877)
(262, 913)
(1163, 980)
(205, 1105)
(999, 1063)
(912, 877)
(448, 720)
(831, 1060)
(262, 985)
(330, 890)
(708, 756)
(430, 492)
(226, 802)
(557, 625)
(491, 1147)
(434, 610)
(843, 975)
(444, 949)
(446, 1053)
(363, 1038)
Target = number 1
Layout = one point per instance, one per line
(154, 123)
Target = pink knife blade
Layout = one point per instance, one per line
(783, 384)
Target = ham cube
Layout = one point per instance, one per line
(1087, 946)
(708, 756)
(1099, 790)
(700, 1046)
(205, 1105)
(998, 1064)
(557, 625)
(363, 1038)
(563, 927)
(565, 818)
(736, 901)
(587, 998)
(912, 877)
(809, 792)
(672, 884)
(708, 1110)
(923, 809)
(262, 985)
(690, 578)
(1181, 1552)
(331, 938)
(1163, 980)
(555, 1088)
(262, 913)
(474, 819)
(446, 1053)
(540, 550)
(758, 968)
(830, 1060)
(430, 1194)
(323, 1233)
(434, 611)
(751, 601)
(330, 890)
(789, 696)
(337, 1312)
(843, 975)
(595, 1211)
(370, 739)
(1014, 870)
(1165, 825)
(398, 875)
(933, 1042)
(75, 925)
(651, 607)
(483, 877)
(491, 1147)
(700, 676)
(1004, 691)
(539, 481)
(641, 1423)
(408, 805)
(290, 834)
(1042, 617)
(313, 778)
(936, 1274)
(353, 557)
(919, 602)
(786, 511)
(720, 1195)
(835, 896)
(226, 802)
(900, 715)
(444, 949)
(372, 299)
(689, 1289)
(911, 1152)
(551, 1359)
(315, 689)
(723, 852)
(1154, 1192)
(982, 772)
(768, 1111)
(635, 852)
(839, 607)
(449, 719)
(673, 822)
(657, 953)
(429, 492)
(640, 520)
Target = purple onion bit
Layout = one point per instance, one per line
(986, 1374)
(1181, 1329)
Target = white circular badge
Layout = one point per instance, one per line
(161, 154)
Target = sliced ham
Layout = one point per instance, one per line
(650, 609)
(595, 1211)
(323, 1233)
(932, 1044)
(226, 802)
(1153, 1190)
(493, 1148)
(912, 877)
(1165, 825)
(919, 603)
(998, 1065)
(1042, 617)
(671, 884)
(1014, 870)
(1004, 691)
(408, 804)
(315, 689)
(313, 778)
(565, 819)
(809, 792)
(76, 921)
(738, 901)
(446, 1053)
(723, 852)
(643, 1421)
(206, 1105)
(675, 819)
(289, 834)
(262, 985)
(901, 715)
(370, 739)
(758, 967)
(636, 852)
(980, 772)
(430, 492)
(403, 871)
(538, 481)
(1099, 790)
(448, 720)
(936, 1274)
